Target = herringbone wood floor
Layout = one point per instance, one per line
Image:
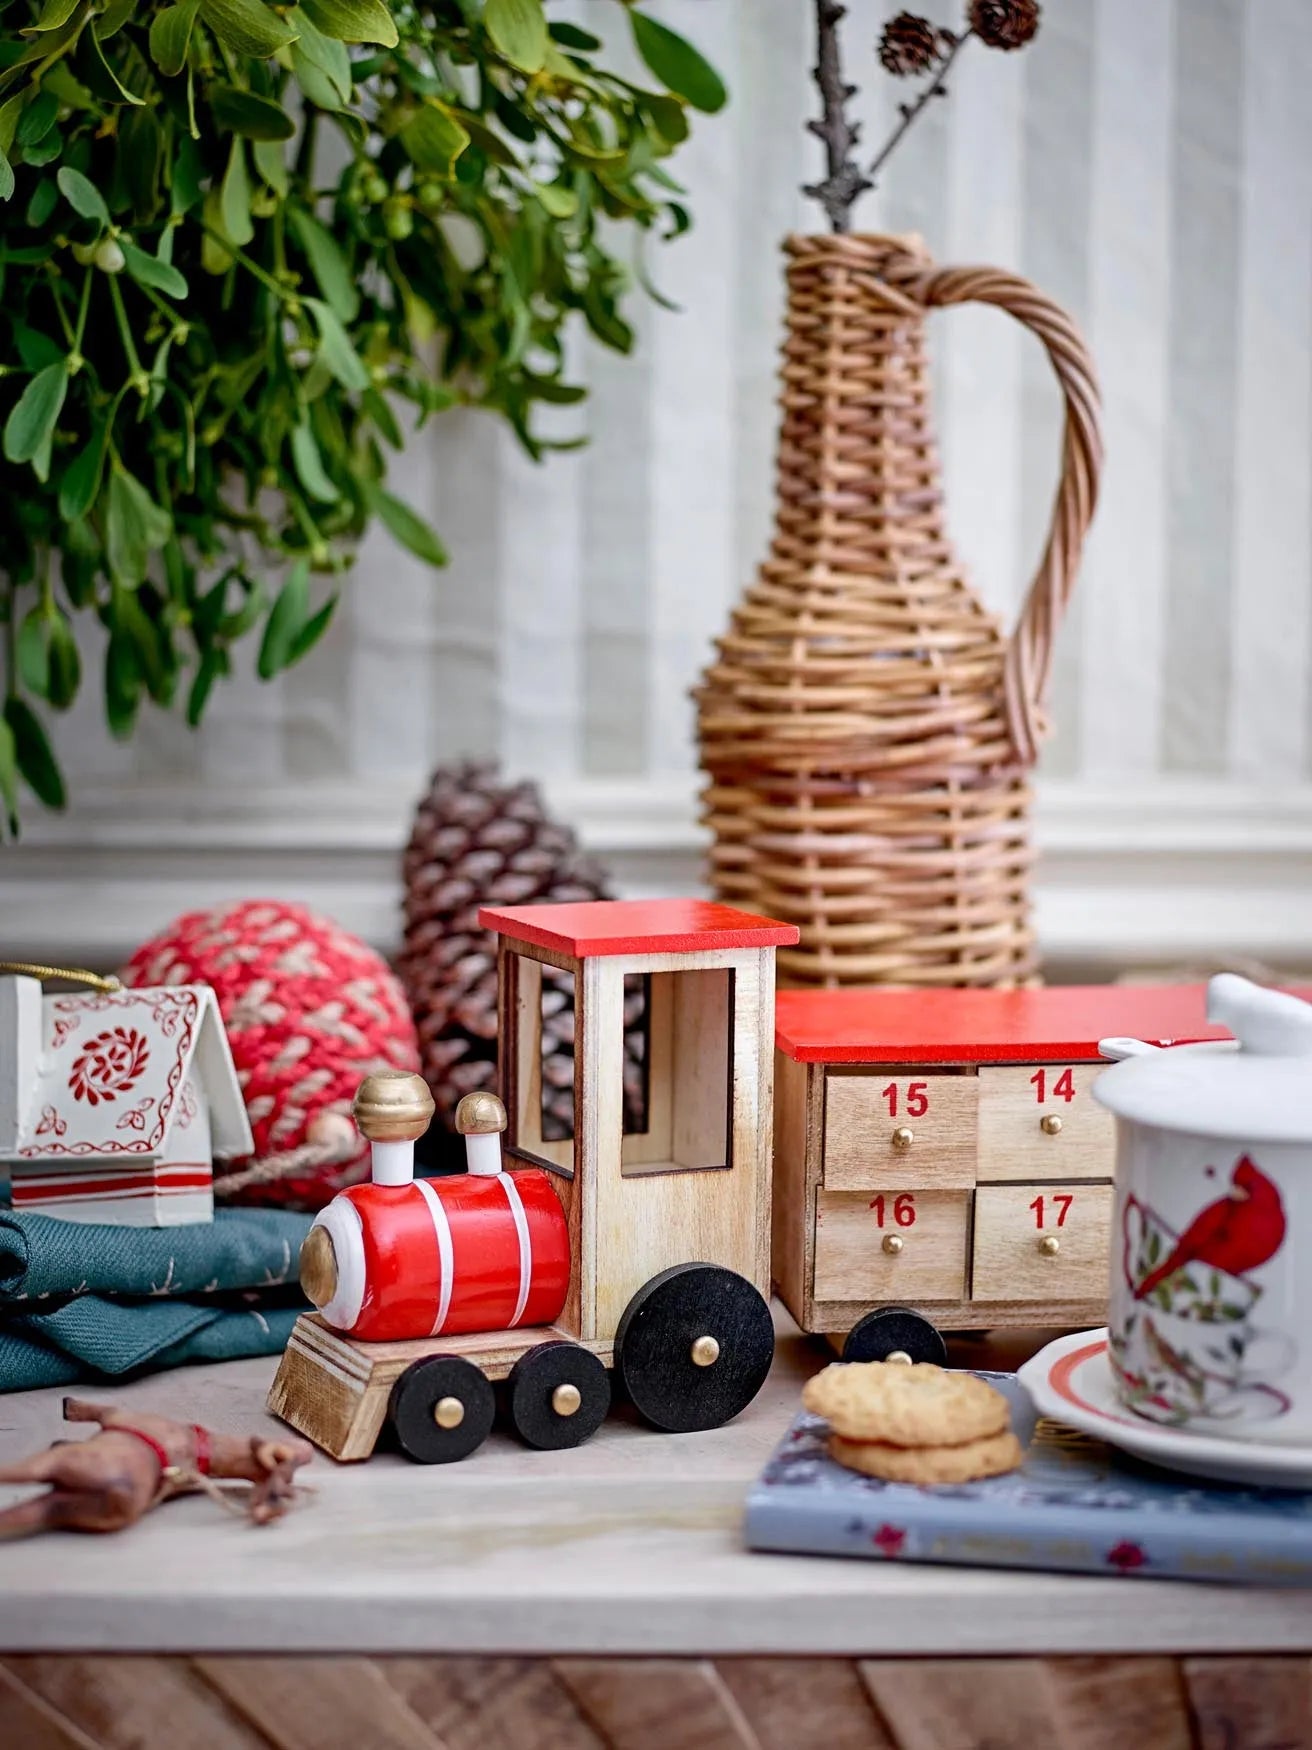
(135, 1703)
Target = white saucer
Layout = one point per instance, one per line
(1071, 1380)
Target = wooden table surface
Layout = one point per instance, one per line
(596, 1597)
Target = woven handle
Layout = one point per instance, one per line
(1029, 655)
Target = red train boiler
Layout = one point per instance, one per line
(401, 1257)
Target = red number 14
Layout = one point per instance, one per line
(1062, 1089)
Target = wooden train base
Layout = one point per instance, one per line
(692, 1351)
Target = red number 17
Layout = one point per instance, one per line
(1062, 1198)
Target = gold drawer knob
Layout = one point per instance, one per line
(903, 1136)
(1050, 1124)
(1049, 1245)
(893, 1244)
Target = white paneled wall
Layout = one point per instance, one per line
(1149, 162)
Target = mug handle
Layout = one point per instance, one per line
(1029, 652)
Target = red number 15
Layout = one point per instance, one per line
(917, 1101)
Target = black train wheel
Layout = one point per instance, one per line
(895, 1333)
(557, 1396)
(442, 1409)
(694, 1347)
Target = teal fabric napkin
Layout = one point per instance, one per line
(240, 1248)
(84, 1301)
(91, 1338)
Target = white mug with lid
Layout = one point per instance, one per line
(1210, 1317)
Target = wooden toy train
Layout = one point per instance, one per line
(938, 1164)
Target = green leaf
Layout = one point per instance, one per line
(6, 178)
(247, 27)
(122, 684)
(96, 72)
(329, 266)
(65, 664)
(337, 354)
(45, 198)
(37, 119)
(9, 773)
(213, 664)
(321, 64)
(170, 37)
(242, 112)
(82, 195)
(353, 21)
(309, 466)
(33, 653)
(518, 28)
(561, 203)
(147, 271)
(55, 13)
(235, 198)
(434, 139)
(311, 632)
(677, 64)
(80, 487)
(34, 756)
(569, 36)
(289, 614)
(30, 428)
(405, 526)
(271, 163)
(135, 526)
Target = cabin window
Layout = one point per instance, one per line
(684, 1124)
(543, 1068)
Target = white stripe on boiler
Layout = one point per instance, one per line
(442, 1228)
(511, 1190)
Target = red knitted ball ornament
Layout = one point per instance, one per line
(310, 1010)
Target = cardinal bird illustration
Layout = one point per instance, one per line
(1235, 1234)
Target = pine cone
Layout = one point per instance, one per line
(910, 44)
(478, 841)
(1004, 24)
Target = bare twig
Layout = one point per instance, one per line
(843, 181)
(935, 88)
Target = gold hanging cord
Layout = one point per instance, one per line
(74, 974)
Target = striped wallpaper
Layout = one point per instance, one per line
(1149, 162)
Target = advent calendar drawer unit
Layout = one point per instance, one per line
(895, 1130)
(940, 1163)
(1041, 1242)
(891, 1245)
(1041, 1121)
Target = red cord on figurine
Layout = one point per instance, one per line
(109, 1481)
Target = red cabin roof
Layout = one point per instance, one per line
(1059, 1023)
(636, 926)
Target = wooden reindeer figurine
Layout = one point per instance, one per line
(136, 1461)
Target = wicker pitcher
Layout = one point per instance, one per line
(867, 726)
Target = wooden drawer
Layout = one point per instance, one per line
(899, 1132)
(1041, 1242)
(894, 1245)
(1041, 1121)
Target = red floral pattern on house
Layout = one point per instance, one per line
(1126, 1557)
(135, 1116)
(111, 1063)
(51, 1123)
(183, 1008)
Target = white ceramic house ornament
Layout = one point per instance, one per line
(113, 1104)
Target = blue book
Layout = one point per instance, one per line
(1075, 1505)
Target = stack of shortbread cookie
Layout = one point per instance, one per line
(917, 1424)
